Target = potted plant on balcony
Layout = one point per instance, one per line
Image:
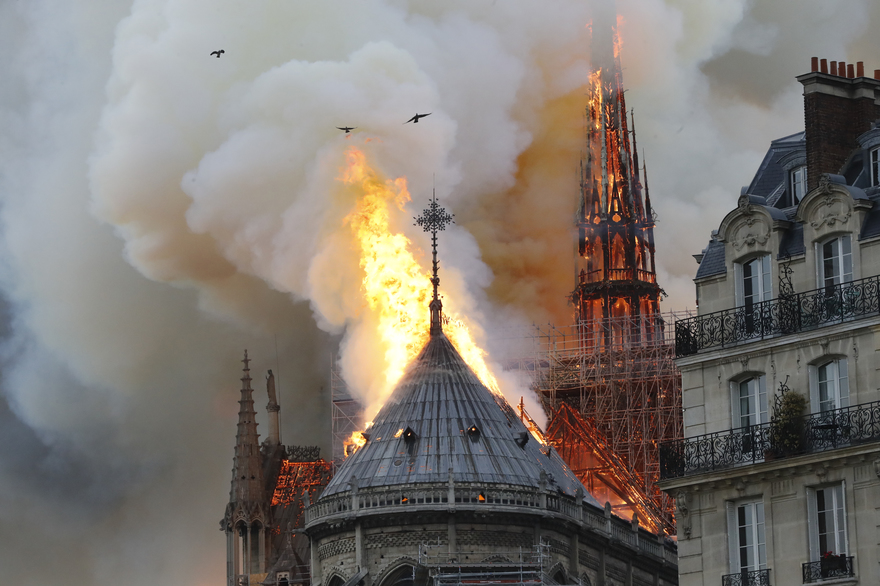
(831, 565)
(787, 423)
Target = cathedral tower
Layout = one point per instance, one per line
(615, 262)
(247, 514)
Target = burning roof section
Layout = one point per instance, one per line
(442, 422)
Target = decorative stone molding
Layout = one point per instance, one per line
(334, 548)
(681, 503)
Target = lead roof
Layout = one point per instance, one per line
(433, 412)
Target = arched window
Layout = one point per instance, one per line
(749, 401)
(835, 261)
(753, 281)
(402, 576)
(829, 385)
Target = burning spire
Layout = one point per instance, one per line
(434, 219)
(615, 265)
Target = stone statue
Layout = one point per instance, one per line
(270, 387)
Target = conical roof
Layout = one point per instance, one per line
(441, 419)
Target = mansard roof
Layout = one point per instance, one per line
(442, 420)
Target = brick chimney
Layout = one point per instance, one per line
(838, 107)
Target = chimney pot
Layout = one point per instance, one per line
(860, 69)
(841, 68)
(850, 70)
(877, 74)
(814, 64)
(823, 67)
(833, 68)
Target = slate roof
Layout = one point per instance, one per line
(433, 407)
(713, 260)
(770, 177)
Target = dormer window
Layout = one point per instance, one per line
(797, 184)
(874, 158)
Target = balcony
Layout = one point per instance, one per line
(812, 433)
(828, 568)
(599, 275)
(785, 315)
(756, 578)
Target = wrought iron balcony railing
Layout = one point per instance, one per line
(755, 578)
(816, 432)
(784, 315)
(829, 568)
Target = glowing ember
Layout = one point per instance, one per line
(399, 431)
(395, 287)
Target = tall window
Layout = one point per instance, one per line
(835, 262)
(753, 287)
(746, 542)
(829, 385)
(827, 520)
(875, 166)
(755, 281)
(750, 402)
(798, 184)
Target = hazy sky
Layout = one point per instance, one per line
(163, 209)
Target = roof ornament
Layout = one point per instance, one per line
(434, 219)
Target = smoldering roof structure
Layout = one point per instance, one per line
(441, 422)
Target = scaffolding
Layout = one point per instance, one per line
(346, 412)
(525, 567)
(619, 382)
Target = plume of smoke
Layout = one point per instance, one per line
(162, 209)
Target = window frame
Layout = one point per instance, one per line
(843, 257)
(840, 530)
(839, 380)
(759, 395)
(874, 165)
(797, 177)
(763, 278)
(734, 534)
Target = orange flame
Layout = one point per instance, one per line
(396, 288)
(355, 441)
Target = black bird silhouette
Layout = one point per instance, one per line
(347, 129)
(415, 119)
(218, 53)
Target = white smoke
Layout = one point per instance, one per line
(163, 209)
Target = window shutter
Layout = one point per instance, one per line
(766, 283)
(732, 538)
(735, 415)
(762, 400)
(846, 264)
(812, 525)
(738, 280)
(843, 505)
(843, 382)
(814, 388)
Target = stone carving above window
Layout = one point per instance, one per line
(752, 232)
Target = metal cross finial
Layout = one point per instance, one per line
(434, 219)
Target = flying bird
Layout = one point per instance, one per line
(347, 129)
(218, 53)
(415, 119)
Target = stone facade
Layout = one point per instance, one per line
(569, 544)
(769, 492)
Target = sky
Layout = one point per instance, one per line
(161, 210)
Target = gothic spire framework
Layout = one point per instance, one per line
(615, 264)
